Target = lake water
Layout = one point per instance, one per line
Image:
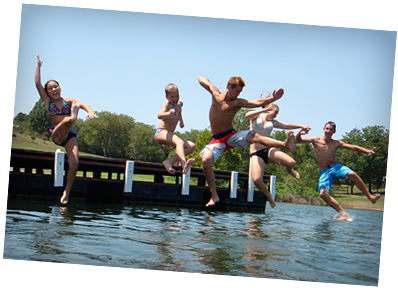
(294, 242)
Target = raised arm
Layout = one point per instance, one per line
(357, 148)
(304, 131)
(205, 83)
(39, 86)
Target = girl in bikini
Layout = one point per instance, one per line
(170, 115)
(263, 122)
(63, 112)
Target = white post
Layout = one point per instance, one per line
(234, 184)
(272, 186)
(59, 165)
(128, 176)
(250, 189)
(186, 178)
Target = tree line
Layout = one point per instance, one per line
(121, 136)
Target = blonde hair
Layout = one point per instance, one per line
(272, 105)
(171, 88)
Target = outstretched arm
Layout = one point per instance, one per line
(205, 83)
(280, 125)
(43, 94)
(276, 95)
(85, 107)
(255, 113)
(357, 148)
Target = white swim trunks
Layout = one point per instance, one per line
(227, 140)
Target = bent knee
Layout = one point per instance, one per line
(351, 175)
(324, 192)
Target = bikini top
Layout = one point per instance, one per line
(258, 123)
(54, 110)
(176, 114)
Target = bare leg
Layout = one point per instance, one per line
(278, 157)
(61, 131)
(72, 151)
(334, 204)
(258, 166)
(207, 161)
(168, 164)
(361, 186)
(270, 142)
(180, 144)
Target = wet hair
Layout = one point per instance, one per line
(48, 82)
(236, 81)
(171, 88)
(331, 123)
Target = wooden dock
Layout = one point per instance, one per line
(100, 179)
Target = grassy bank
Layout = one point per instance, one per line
(350, 201)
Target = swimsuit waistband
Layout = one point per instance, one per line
(223, 134)
(329, 166)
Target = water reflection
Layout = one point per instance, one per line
(297, 243)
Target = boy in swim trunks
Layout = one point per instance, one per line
(222, 112)
(325, 154)
(170, 114)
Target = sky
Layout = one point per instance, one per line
(335, 60)
(121, 61)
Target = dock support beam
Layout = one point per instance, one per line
(234, 184)
(250, 189)
(272, 186)
(128, 177)
(186, 178)
(59, 165)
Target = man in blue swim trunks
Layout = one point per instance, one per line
(325, 154)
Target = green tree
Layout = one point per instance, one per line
(373, 168)
(143, 146)
(109, 135)
(39, 120)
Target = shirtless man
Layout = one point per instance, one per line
(325, 154)
(222, 112)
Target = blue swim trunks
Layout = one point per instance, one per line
(330, 173)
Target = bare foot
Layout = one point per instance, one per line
(168, 167)
(292, 172)
(74, 111)
(290, 143)
(188, 165)
(212, 201)
(375, 198)
(344, 217)
(64, 198)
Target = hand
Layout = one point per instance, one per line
(39, 62)
(172, 112)
(304, 131)
(91, 115)
(371, 152)
(277, 94)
